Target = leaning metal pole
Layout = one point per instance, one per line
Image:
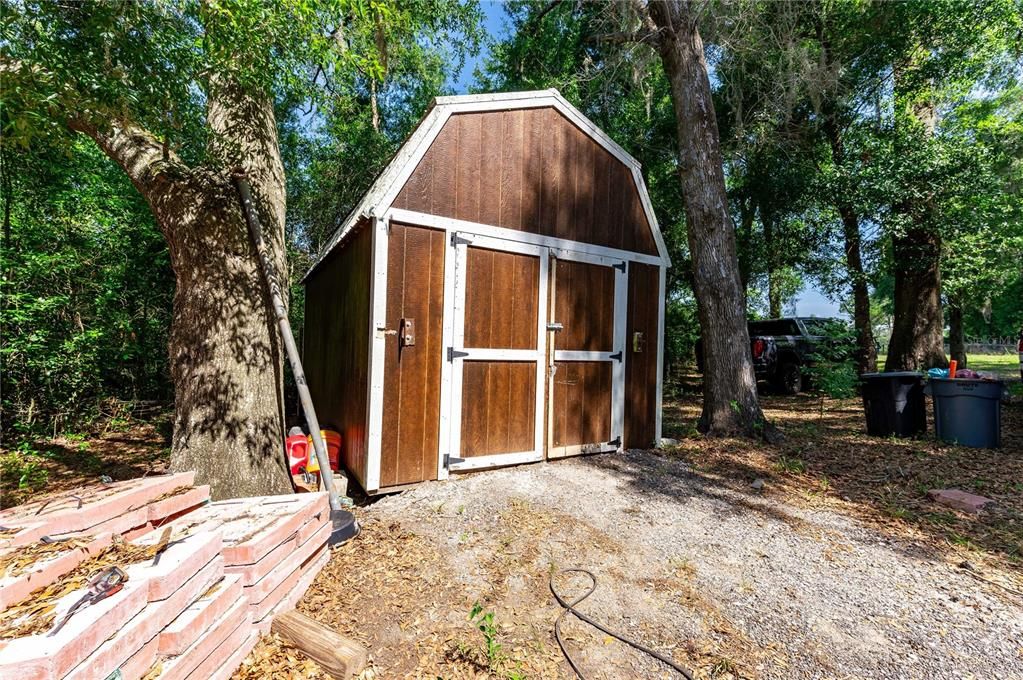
(344, 526)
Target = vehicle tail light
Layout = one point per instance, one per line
(1019, 348)
(759, 346)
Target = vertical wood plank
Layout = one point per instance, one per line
(443, 185)
(492, 135)
(512, 172)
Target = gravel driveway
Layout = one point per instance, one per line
(729, 583)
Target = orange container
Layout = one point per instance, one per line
(332, 440)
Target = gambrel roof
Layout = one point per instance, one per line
(381, 195)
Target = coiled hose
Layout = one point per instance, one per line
(569, 608)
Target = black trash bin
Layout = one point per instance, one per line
(968, 411)
(894, 404)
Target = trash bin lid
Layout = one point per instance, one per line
(893, 374)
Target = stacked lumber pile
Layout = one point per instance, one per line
(203, 580)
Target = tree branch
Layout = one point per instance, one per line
(139, 153)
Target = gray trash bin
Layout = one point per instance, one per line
(967, 411)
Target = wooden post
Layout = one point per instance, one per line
(339, 656)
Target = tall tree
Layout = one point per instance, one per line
(730, 402)
(181, 96)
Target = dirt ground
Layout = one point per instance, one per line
(840, 567)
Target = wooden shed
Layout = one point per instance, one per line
(496, 298)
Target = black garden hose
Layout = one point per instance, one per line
(569, 607)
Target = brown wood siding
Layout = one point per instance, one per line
(336, 346)
(415, 290)
(498, 407)
(641, 367)
(584, 300)
(530, 170)
(501, 299)
(582, 402)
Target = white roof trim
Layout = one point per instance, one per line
(387, 186)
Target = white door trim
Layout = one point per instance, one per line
(561, 245)
(454, 359)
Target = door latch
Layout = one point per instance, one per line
(555, 327)
(638, 341)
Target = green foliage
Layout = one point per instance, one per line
(832, 367)
(484, 623)
(86, 291)
(21, 470)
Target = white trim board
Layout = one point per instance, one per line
(381, 194)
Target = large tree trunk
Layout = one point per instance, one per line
(956, 334)
(917, 328)
(730, 404)
(225, 353)
(866, 351)
(916, 342)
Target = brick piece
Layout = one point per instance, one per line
(960, 500)
(198, 617)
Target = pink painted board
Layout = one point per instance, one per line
(175, 504)
(15, 588)
(96, 504)
(199, 616)
(235, 660)
(225, 651)
(42, 657)
(292, 597)
(38, 657)
(140, 662)
(179, 562)
(263, 607)
(263, 587)
(146, 625)
(179, 667)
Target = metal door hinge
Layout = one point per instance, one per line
(455, 354)
(616, 442)
(407, 332)
(449, 461)
(620, 266)
(617, 356)
(458, 239)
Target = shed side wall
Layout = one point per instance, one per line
(336, 346)
(641, 367)
(531, 170)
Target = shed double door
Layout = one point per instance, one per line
(535, 359)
